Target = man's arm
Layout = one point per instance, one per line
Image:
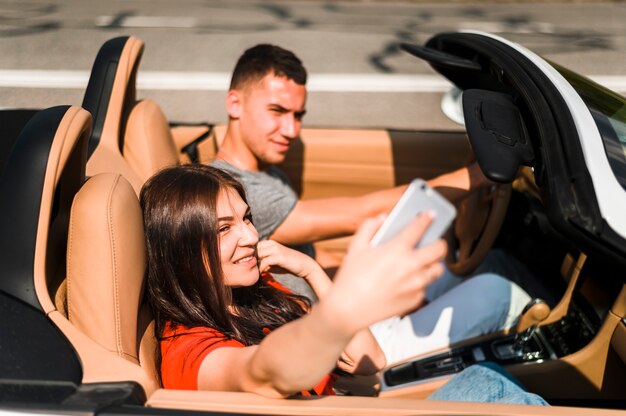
(457, 184)
(320, 219)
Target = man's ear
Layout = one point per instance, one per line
(234, 102)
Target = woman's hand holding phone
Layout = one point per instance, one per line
(378, 282)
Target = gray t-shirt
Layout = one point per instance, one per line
(269, 193)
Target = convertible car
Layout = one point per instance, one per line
(76, 336)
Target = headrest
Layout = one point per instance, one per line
(111, 89)
(148, 142)
(106, 261)
(110, 94)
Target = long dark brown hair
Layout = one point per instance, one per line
(185, 282)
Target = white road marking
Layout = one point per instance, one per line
(146, 21)
(508, 27)
(218, 81)
(190, 22)
(43, 79)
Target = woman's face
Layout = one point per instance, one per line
(237, 239)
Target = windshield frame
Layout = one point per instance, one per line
(608, 110)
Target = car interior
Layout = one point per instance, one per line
(86, 166)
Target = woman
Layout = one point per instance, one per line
(224, 324)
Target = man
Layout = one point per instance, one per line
(266, 103)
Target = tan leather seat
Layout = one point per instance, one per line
(106, 261)
(148, 142)
(110, 95)
(47, 170)
(133, 137)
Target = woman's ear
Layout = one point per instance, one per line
(234, 101)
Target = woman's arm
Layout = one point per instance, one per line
(298, 355)
(362, 355)
(293, 358)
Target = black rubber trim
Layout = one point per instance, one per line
(97, 396)
(40, 397)
(438, 57)
(31, 347)
(115, 410)
(30, 394)
(11, 124)
(37, 363)
(21, 186)
(100, 86)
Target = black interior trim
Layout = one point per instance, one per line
(11, 124)
(21, 183)
(99, 88)
(32, 347)
(497, 132)
(37, 363)
(440, 58)
(191, 150)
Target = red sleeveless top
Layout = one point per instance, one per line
(183, 350)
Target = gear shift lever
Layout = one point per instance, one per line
(534, 313)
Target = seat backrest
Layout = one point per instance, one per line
(106, 262)
(111, 94)
(134, 137)
(130, 137)
(111, 89)
(41, 176)
(148, 142)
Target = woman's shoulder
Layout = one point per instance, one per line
(184, 348)
(198, 339)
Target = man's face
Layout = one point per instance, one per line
(271, 117)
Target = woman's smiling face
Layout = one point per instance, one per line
(237, 240)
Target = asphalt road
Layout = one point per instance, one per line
(358, 76)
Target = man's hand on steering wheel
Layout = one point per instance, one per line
(479, 218)
(478, 221)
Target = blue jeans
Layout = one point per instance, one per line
(486, 383)
(457, 309)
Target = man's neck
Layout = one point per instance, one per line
(235, 153)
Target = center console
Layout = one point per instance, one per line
(548, 342)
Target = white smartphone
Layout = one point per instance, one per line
(419, 197)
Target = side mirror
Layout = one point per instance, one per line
(497, 133)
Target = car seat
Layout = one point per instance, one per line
(106, 262)
(132, 137)
(108, 98)
(42, 170)
(68, 283)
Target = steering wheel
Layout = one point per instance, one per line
(478, 221)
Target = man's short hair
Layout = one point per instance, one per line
(262, 59)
